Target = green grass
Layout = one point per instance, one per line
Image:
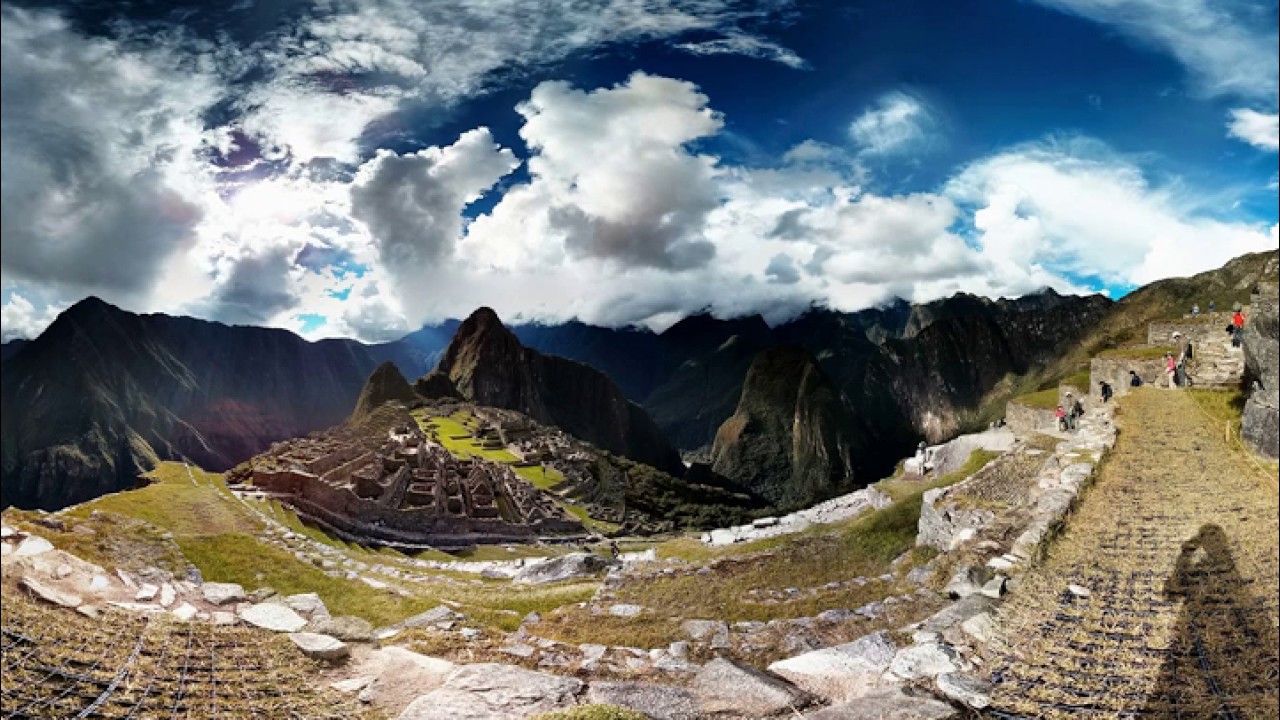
(172, 502)
(1043, 400)
(1078, 380)
(864, 547)
(592, 712)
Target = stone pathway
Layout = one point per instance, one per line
(1160, 597)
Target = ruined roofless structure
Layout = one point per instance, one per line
(387, 483)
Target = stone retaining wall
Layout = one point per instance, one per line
(1024, 420)
(1116, 371)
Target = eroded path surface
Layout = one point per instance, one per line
(1160, 598)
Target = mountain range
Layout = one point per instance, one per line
(104, 392)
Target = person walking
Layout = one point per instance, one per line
(1071, 413)
(1077, 413)
(1104, 388)
(1061, 415)
(1237, 322)
(1170, 368)
(1135, 380)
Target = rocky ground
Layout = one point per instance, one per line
(975, 618)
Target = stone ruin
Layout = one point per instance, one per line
(398, 487)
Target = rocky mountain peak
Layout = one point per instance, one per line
(386, 384)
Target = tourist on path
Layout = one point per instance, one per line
(1170, 368)
(1237, 324)
(1104, 388)
(1134, 379)
(1062, 417)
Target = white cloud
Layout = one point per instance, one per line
(1077, 208)
(19, 319)
(100, 156)
(412, 204)
(611, 177)
(898, 122)
(1229, 46)
(738, 43)
(1260, 130)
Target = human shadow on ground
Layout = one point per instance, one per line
(1223, 661)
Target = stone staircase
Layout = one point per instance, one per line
(1216, 365)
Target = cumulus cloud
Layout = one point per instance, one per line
(413, 203)
(898, 122)
(1260, 130)
(103, 182)
(20, 319)
(612, 178)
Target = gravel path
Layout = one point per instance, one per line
(1160, 598)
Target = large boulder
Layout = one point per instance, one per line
(274, 617)
(735, 689)
(661, 702)
(399, 676)
(565, 567)
(842, 672)
(216, 593)
(343, 627)
(320, 647)
(490, 691)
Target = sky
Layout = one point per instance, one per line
(348, 168)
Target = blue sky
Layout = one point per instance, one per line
(359, 168)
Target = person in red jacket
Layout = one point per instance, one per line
(1237, 322)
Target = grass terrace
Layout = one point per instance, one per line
(1042, 400)
(1136, 352)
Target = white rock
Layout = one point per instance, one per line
(491, 691)
(7, 532)
(373, 583)
(51, 594)
(216, 593)
(965, 689)
(307, 604)
(62, 572)
(624, 610)
(980, 627)
(33, 545)
(928, 660)
(221, 617)
(1079, 590)
(842, 672)
(99, 583)
(185, 611)
(352, 685)
(273, 616)
(167, 595)
(146, 593)
(320, 647)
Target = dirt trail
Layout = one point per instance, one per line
(1174, 550)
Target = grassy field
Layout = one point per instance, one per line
(1042, 400)
(1136, 353)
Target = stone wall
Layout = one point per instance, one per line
(1260, 426)
(1198, 330)
(1024, 420)
(1116, 371)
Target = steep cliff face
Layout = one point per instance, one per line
(103, 393)
(486, 364)
(792, 439)
(384, 385)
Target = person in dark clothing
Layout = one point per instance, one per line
(1077, 412)
(1104, 388)
(1134, 380)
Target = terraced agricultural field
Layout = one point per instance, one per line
(1160, 598)
(62, 665)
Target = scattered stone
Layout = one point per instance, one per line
(518, 650)
(374, 583)
(624, 610)
(33, 545)
(469, 633)
(343, 627)
(661, 702)
(216, 593)
(957, 612)
(50, 594)
(261, 594)
(53, 523)
(842, 672)
(734, 688)
(320, 647)
(219, 617)
(146, 593)
(1079, 590)
(836, 615)
(435, 616)
(678, 649)
(592, 654)
(273, 616)
(966, 689)
(1003, 562)
(927, 660)
(490, 691)
(127, 579)
(533, 618)
(62, 572)
(307, 604)
(89, 611)
(185, 612)
(714, 632)
(891, 702)
(99, 583)
(565, 567)
(7, 532)
(167, 595)
(399, 675)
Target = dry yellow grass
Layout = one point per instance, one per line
(1177, 544)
